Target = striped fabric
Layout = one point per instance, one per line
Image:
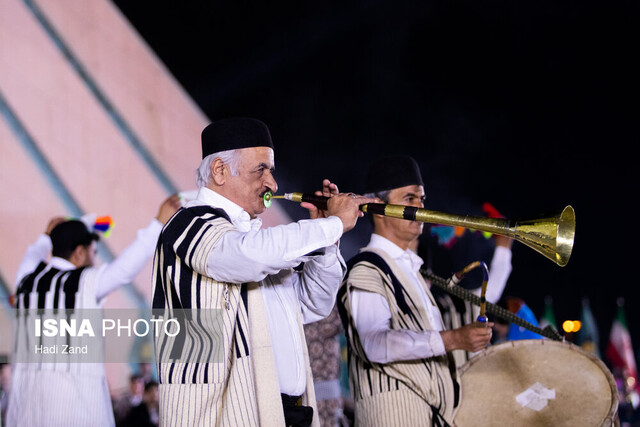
(49, 287)
(236, 383)
(65, 393)
(409, 393)
(455, 314)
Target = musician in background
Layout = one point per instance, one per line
(401, 372)
(455, 311)
(60, 271)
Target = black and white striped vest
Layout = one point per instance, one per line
(425, 386)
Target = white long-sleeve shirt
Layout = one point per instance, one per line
(372, 315)
(268, 256)
(109, 276)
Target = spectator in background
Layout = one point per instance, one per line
(145, 414)
(324, 355)
(5, 383)
(129, 399)
(147, 372)
(505, 331)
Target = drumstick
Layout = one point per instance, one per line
(482, 318)
(483, 300)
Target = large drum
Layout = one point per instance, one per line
(536, 383)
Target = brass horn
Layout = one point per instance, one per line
(550, 235)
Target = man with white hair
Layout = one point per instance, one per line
(214, 256)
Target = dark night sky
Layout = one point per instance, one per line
(528, 106)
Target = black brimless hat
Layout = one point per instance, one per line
(392, 172)
(234, 133)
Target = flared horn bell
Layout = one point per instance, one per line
(551, 236)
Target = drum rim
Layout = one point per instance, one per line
(613, 409)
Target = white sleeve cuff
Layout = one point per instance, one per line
(436, 344)
(502, 254)
(44, 242)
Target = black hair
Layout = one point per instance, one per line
(148, 386)
(382, 195)
(67, 236)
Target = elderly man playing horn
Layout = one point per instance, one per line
(213, 255)
(400, 369)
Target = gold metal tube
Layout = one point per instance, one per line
(550, 235)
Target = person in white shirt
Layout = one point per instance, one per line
(400, 369)
(213, 256)
(457, 312)
(64, 392)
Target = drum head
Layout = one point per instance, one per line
(536, 383)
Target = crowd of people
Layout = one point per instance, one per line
(282, 296)
(137, 405)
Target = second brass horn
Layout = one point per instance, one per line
(550, 235)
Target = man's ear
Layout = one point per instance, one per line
(218, 172)
(377, 221)
(77, 257)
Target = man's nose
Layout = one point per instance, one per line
(270, 182)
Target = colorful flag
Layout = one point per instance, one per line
(619, 350)
(588, 336)
(103, 224)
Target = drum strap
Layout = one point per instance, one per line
(461, 292)
(375, 259)
(438, 420)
